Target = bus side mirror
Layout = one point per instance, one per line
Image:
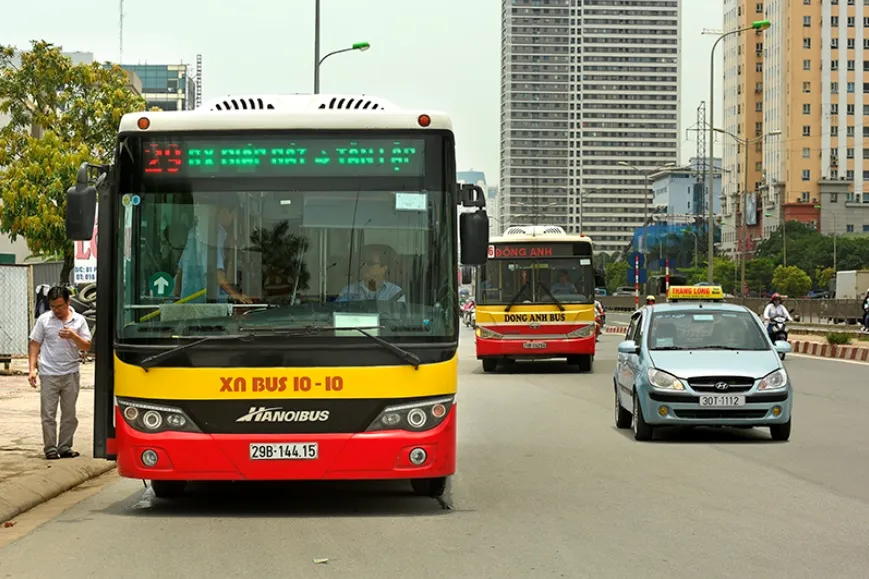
(81, 208)
(474, 232)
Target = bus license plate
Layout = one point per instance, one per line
(284, 451)
(722, 401)
(534, 345)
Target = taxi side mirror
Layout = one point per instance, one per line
(629, 347)
(783, 347)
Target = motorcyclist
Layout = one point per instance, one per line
(650, 300)
(775, 309)
(866, 312)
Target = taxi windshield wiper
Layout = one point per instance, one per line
(151, 361)
(515, 299)
(310, 330)
(716, 348)
(549, 293)
(668, 348)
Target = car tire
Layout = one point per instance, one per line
(623, 417)
(781, 356)
(781, 432)
(429, 487)
(168, 489)
(584, 363)
(643, 431)
(490, 365)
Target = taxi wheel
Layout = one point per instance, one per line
(781, 432)
(643, 431)
(490, 364)
(623, 417)
(429, 487)
(168, 489)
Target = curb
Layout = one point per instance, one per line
(22, 493)
(821, 350)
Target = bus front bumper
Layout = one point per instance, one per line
(220, 457)
(534, 347)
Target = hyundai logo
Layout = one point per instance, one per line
(721, 386)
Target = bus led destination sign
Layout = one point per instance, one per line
(277, 156)
(537, 250)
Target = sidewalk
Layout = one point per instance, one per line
(26, 478)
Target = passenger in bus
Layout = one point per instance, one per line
(373, 284)
(563, 285)
(193, 267)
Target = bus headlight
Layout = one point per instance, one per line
(486, 333)
(586, 331)
(416, 416)
(155, 418)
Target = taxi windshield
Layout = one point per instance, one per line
(705, 330)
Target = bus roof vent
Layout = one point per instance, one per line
(535, 230)
(241, 103)
(354, 103)
(297, 103)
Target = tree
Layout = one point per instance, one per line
(61, 115)
(758, 274)
(616, 275)
(791, 281)
(823, 276)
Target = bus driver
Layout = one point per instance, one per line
(372, 284)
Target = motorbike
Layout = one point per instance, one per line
(468, 315)
(779, 331)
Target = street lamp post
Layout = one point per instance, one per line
(360, 46)
(784, 235)
(742, 231)
(710, 250)
(696, 242)
(835, 231)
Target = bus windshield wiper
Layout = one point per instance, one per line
(401, 353)
(549, 293)
(151, 361)
(517, 296)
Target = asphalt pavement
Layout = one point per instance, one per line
(546, 487)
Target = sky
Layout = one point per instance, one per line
(425, 54)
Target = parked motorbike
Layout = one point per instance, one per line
(468, 313)
(779, 331)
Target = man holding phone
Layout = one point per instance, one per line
(56, 341)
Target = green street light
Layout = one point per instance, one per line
(761, 24)
(360, 46)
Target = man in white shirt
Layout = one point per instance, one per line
(373, 284)
(775, 309)
(55, 345)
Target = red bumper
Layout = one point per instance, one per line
(212, 457)
(557, 348)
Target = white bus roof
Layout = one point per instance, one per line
(546, 233)
(296, 111)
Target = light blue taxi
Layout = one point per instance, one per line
(698, 361)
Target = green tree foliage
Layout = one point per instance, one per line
(61, 115)
(791, 281)
(758, 274)
(813, 252)
(725, 272)
(616, 275)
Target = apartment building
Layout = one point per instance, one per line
(589, 108)
(808, 75)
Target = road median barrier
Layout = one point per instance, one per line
(22, 492)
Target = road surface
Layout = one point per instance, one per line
(546, 487)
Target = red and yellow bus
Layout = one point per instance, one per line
(535, 298)
(276, 293)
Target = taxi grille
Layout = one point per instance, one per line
(734, 383)
(715, 413)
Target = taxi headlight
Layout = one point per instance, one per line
(774, 381)
(584, 332)
(664, 381)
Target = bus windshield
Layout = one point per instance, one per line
(286, 232)
(538, 273)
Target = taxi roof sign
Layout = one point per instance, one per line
(707, 293)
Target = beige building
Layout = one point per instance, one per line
(806, 76)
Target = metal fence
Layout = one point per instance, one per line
(805, 311)
(16, 293)
(48, 273)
